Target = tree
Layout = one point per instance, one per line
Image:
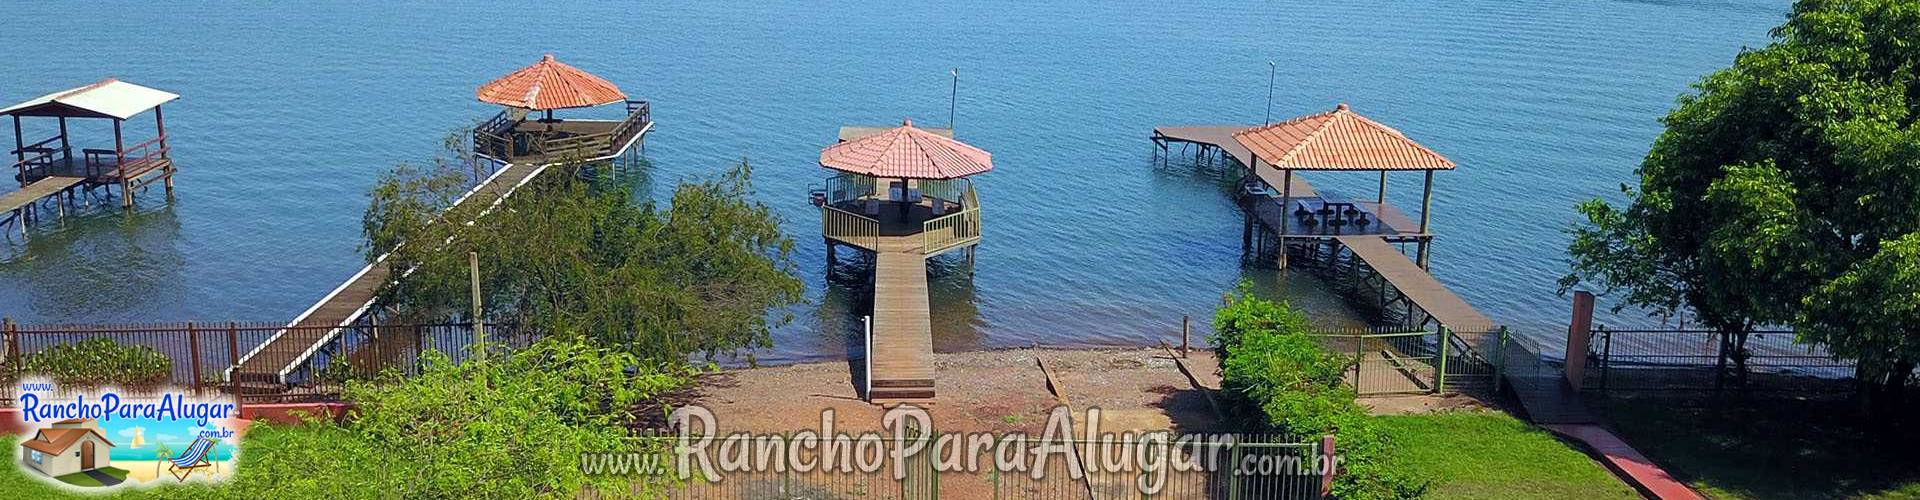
(572, 253)
(1778, 178)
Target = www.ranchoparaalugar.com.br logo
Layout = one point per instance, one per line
(88, 438)
(696, 450)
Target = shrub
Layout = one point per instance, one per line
(1277, 378)
(508, 428)
(99, 362)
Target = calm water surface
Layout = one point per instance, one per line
(292, 110)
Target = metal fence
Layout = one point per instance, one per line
(1237, 467)
(1397, 361)
(201, 355)
(1692, 360)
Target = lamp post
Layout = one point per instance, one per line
(953, 96)
(1271, 69)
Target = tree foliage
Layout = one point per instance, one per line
(1780, 175)
(573, 252)
(1276, 378)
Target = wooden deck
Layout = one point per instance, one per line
(282, 353)
(1418, 286)
(902, 356)
(17, 205)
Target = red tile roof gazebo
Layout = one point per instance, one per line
(907, 152)
(549, 85)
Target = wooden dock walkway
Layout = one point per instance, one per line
(902, 356)
(282, 353)
(1418, 286)
(18, 205)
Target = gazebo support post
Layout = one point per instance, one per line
(1383, 188)
(1286, 205)
(119, 166)
(66, 148)
(19, 146)
(1426, 218)
(160, 127)
(1246, 232)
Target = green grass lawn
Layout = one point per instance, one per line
(83, 479)
(1493, 455)
(1769, 449)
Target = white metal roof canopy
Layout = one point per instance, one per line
(107, 98)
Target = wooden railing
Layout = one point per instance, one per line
(956, 229)
(849, 227)
(848, 187)
(496, 138)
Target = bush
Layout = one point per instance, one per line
(99, 362)
(508, 428)
(1276, 378)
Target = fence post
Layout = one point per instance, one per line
(13, 343)
(1500, 360)
(1233, 467)
(1359, 360)
(233, 365)
(193, 346)
(1440, 374)
(1606, 359)
(1328, 466)
(479, 325)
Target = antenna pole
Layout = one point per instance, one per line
(1271, 68)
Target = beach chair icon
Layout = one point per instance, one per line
(194, 458)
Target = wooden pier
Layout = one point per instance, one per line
(902, 195)
(21, 206)
(902, 323)
(1416, 285)
(522, 148)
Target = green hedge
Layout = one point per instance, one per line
(99, 362)
(1276, 378)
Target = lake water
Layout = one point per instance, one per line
(290, 111)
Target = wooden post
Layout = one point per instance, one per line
(1383, 187)
(1286, 213)
(13, 340)
(479, 324)
(160, 127)
(193, 347)
(1246, 232)
(1186, 332)
(1440, 374)
(66, 148)
(120, 166)
(19, 145)
(233, 350)
(1426, 219)
(1328, 466)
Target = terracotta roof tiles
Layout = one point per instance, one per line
(550, 84)
(907, 152)
(1338, 140)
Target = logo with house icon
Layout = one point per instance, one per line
(74, 451)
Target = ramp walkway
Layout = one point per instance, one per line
(282, 353)
(1418, 286)
(902, 355)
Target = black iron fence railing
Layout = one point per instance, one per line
(206, 357)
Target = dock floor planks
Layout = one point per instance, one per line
(36, 191)
(902, 329)
(1417, 285)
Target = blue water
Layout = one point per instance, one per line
(290, 110)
